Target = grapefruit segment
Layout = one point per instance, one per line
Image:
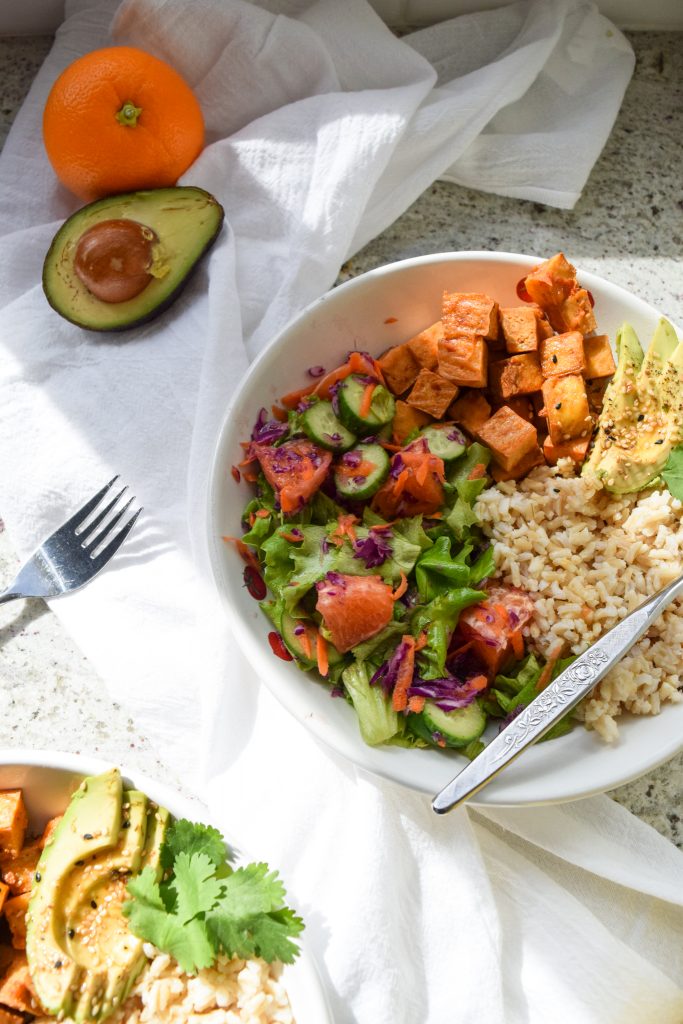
(295, 470)
(354, 608)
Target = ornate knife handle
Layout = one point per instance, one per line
(556, 700)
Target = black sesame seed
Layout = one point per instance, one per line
(556, 489)
(79, 863)
(126, 824)
(641, 417)
(38, 876)
(93, 904)
(559, 405)
(661, 441)
(71, 933)
(554, 359)
(58, 963)
(87, 835)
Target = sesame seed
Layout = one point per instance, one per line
(559, 405)
(661, 441)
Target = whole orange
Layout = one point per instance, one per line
(117, 120)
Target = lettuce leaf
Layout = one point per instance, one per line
(377, 719)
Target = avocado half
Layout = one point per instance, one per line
(185, 221)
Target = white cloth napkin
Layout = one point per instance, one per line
(323, 128)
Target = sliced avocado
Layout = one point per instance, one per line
(121, 977)
(642, 416)
(175, 227)
(91, 824)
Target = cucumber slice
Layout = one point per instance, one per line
(445, 440)
(298, 647)
(322, 426)
(350, 398)
(458, 728)
(476, 454)
(363, 486)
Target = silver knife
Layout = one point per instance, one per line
(556, 700)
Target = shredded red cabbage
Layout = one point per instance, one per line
(397, 466)
(456, 435)
(447, 693)
(351, 460)
(316, 371)
(387, 674)
(266, 431)
(374, 550)
(510, 717)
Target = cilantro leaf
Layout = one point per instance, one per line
(673, 472)
(195, 885)
(188, 837)
(252, 890)
(273, 935)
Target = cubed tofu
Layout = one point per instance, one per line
(16, 989)
(508, 436)
(470, 410)
(400, 368)
(518, 375)
(424, 345)
(563, 353)
(49, 830)
(13, 821)
(464, 361)
(595, 389)
(4, 893)
(551, 282)
(599, 361)
(18, 872)
(432, 394)
(545, 328)
(576, 450)
(519, 325)
(521, 468)
(15, 912)
(406, 421)
(577, 312)
(522, 406)
(468, 313)
(566, 408)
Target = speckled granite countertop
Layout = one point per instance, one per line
(628, 227)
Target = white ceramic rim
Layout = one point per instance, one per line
(385, 761)
(302, 980)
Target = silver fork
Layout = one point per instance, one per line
(73, 554)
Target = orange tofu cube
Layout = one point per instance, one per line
(518, 375)
(432, 394)
(470, 410)
(521, 468)
(468, 313)
(545, 329)
(508, 436)
(4, 893)
(16, 989)
(563, 353)
(519, 325)
(566, 408)
(49, 830)
(576, 312)
(577, 449)
(13, 821)
(464, 361)
(522, 406)
(424, 346)
(400, 368)
(18, 872)
(406, 421)
(15, 912)
(598, 357)
(551, 282)
(595, 389)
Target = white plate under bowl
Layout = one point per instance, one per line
(357, 315)
(48, 779)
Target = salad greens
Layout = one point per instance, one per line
(203, 907)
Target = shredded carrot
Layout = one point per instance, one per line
(279, 413)
(366, 401)
(262, 513)
(250, 477)
(344, 528)
(478, 682)
(292, 398)
(421, 473)
(477, 472)
(517, 642)
(399, 698)
(421, 641)
(416, 704)
(291, 537)
(391, 447)
(401, 588)
(306, 643)
(288, 502)
(252, 518)
(244, 552)
(364, 468)
(401, 482)
(547, 672)
(321, 655)
(435, 515)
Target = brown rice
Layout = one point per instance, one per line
(232, 992)
(589, 558)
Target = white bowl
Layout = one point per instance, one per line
(48, 779)
(357, 315)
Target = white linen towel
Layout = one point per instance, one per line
(323, 127)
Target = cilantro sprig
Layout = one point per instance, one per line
(202, 907)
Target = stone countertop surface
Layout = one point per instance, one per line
(627, 227)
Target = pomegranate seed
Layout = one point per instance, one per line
(254, 583)
(522, 293)
(236, 475)
(277, 645)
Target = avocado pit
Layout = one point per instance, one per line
(113, 259)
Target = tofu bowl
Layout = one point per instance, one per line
(36, 788)
(562, 555)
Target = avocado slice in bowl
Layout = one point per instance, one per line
(123, 260)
